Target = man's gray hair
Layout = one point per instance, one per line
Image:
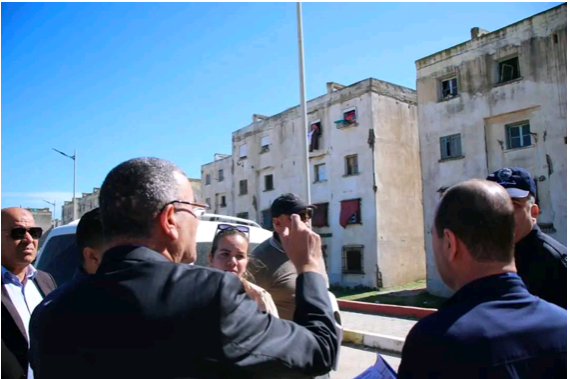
(133, 194)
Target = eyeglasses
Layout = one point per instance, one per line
(19, 233)
(306, 214)
(197, 210)
(241, 228)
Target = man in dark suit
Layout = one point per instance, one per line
(90, 246)
(23, 288)
(146, 315)
(492, 327)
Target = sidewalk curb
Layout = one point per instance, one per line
(385, 309)
(377, 341)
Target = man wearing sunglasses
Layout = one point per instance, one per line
(149, 316)
(277, 274)
(23, 288)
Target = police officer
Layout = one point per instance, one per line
(540, 260)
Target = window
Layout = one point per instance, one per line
(348, 118)
(509, 70)
(555, 38)
(450, 146)
(448, 88)
(208, 202)
(269, 182)
(243, 187)
(518, 135)
(264, 144)
(320, 173)
(243, 215)
(220, 175)
(223, 201)
(208, 179)
(321, 215)
(243, 151)
(267, 220)
(350, 212)
(352, 259)
(314, 135)
(60, 258)
(351, 165)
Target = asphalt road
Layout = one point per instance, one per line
(356, 359)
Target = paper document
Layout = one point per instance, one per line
(380, 370)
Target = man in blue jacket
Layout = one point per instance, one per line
(492, 327)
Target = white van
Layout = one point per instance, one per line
(59, 256)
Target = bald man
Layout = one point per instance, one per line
(492, 327)
(23, 287)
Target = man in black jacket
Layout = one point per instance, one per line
(540, 259)
(492, 327)
(146, 315)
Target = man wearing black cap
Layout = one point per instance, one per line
(540, 260)
(276, 274)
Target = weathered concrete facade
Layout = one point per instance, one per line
(496, 100)
(85, 203)
(370, 125)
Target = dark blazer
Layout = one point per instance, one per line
(141, 316)
(491, 328)
(14, 338)
(541, 263)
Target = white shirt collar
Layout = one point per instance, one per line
(8, 277)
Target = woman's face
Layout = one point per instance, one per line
(231, 255)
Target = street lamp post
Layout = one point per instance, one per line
(53, 211)
(74, 157)
(303, 105)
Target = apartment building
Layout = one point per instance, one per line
(496, 100)
(364, 172)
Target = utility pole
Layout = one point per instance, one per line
(74, 157)
(304, 129)
(53, 217)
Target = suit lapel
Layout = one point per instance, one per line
(44, 282)
(9, 306)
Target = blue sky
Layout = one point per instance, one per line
(173, 80)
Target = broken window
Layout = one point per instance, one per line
(518, 135)
(269, 182)
(350, 212)
(509, 70)
(448, 88)
(321, 215)
(353, 259)
(244, 215)
(208, 179)
(243, 187)
(223, 202)
(320, 173)
(314, 135)
(243, 151)
(220, 175)
(264, 144)
(450, 146)
(351, 165)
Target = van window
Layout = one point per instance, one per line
(60, 258)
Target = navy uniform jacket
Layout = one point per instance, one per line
(541, 263)
(142, 316)
(491, 328)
